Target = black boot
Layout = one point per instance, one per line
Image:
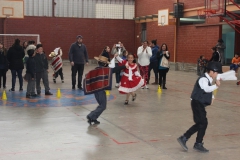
(182, 141)
(156, 82)
(199, 147)
(28, 96)
(164, 87)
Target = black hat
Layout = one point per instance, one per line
(215, 67)
(30, 52)
(220, 40)
(79, 36)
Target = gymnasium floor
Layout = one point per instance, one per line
(51, 128)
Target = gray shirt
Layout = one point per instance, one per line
(78, 53)
(115, 50)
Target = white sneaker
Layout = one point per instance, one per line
(117, 85)
(146, 86)
(142, 87)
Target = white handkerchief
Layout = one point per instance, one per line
(229, 75)
(56, 50)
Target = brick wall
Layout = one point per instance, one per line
(148, 7)
(195, 41)
(191, 41)
(55, 32)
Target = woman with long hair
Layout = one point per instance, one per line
(163, 67)
(15, 57)
(106, 52)
(3, 65)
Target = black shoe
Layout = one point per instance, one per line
(54, 80)
(89, 120)
(73, 87)
(12, 89)
(182, 141)
(80, 88)
(62, 81)
(28, 96)
(38, 93)
(21, 89)
(96, 122)
(126, 102)
(199, 147)
(34, 95)
(134, 97)
(164, 87)
(4, 87)
(48, 93)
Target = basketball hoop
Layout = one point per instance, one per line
(201, 13)
(161, 24)
(7, 15)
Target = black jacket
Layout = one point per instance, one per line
(15, 57)
(106, 54)
(215, 57)
(31, 66)
(160, 55)
(3, 59)
(41, 62)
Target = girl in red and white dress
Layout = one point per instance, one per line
(131, 80)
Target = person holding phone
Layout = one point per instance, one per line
(118, 48)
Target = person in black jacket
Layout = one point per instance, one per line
(3, 65)
(30, 74)
(41, 70)
(15, 57)
(162, 67)
(216, 56)
(106, 52)
(78, 56)
(201, 97)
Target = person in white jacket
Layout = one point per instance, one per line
(144, 53)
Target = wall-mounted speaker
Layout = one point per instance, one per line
(237, 1)
(178, 9)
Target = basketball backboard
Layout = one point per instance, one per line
(215, 8)
(163, 17)
(11, 9)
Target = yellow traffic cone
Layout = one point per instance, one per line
(107, 92)
(159, 89)
(58, 93)
(4, 95)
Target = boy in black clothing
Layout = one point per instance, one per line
(30, 74)
(201, 97)
(41, 70)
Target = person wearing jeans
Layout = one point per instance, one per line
(15, 57)
(118, 48)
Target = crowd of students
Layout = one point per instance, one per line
(37, 68)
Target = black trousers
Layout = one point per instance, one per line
(59, 72)
(3, 73)
(200, 119)
(77, 68)
(162, 76)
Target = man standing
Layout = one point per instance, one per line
(153, 62)
(78, 56)
(144, 53)
(220, 48)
